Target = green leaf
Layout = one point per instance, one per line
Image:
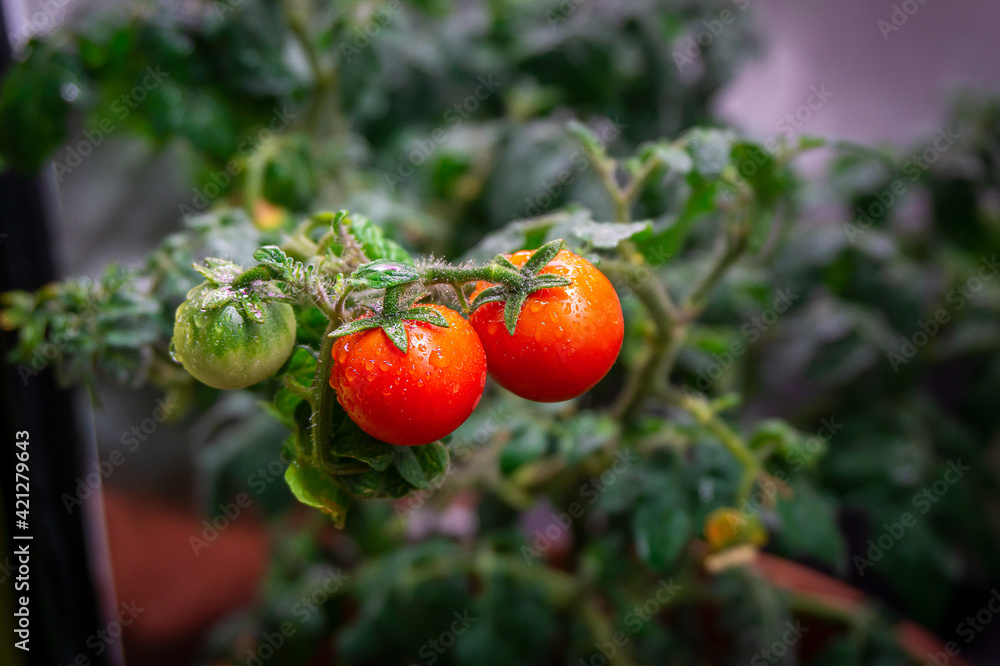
(313, 488)
(586, 433)
(347, 440)
(434, 459)
(502, 260)
(506, 609)
(759, 168)
(528, 443)
(674, 158)
(397, 333)
(372, 240)
(426, 315)
(377, 484)
(512, 309)
(809, 526)
(253, 307)
(541, 257)
(218, 271)
(807, 142)
(586, 137)
(547, 281)
(710, 150)
(421, 465)
(356, 326)
(408, 466)
(604, 235)
(271, 254)
(773, 432)
(492, 294)
(33, 111)
(664, 239)
(660, 532)
(383, 274)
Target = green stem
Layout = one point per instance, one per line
(631, 192)
(622, 197)
(491, 272)
(605, 167)
(602, 631)
(460, 294)
(667, 338)
(732, 250)
(646, 376)
(699, 408)
(323, 301)
(322, 398)
(301, 391)
(325, 79)
(391, 305)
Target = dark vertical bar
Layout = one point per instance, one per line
(64, 608)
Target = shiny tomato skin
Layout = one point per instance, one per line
(413, 398)
(566, 340)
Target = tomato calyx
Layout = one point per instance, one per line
(514, 292)
(511, 284)
(228, 284)
(394, 277)
(392, 324)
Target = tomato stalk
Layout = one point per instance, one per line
(492, 272)
(700, 409)
(651, 376)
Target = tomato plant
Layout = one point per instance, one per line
(705, 378)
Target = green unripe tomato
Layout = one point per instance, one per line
(221, 348)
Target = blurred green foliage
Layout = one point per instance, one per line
(861, 332)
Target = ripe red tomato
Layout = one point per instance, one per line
(412, 398)
(566, 340)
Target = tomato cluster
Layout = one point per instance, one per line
(415, 388)
(566, 340)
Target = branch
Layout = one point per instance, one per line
(667, 338)
(699, 408)
(733, 247)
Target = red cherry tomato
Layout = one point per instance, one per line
(566, 340)
(412, 398)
